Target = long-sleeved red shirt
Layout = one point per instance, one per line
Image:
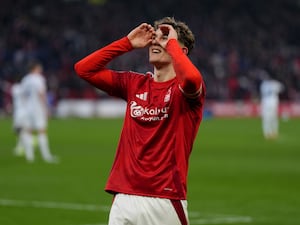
(160, 126)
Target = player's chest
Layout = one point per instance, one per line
(151, 104)
(155, 97)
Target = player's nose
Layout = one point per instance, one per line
(154, 39)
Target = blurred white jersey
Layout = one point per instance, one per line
(270, 90)
(34, 86)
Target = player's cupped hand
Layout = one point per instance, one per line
(164, 33)
(141, 36)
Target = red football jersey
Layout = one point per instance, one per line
(157, 137)
(160, 124)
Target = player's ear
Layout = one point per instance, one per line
(185, 50)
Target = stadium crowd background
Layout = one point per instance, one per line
(237, 42)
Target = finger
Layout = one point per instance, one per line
(146, 26)
(165, 29)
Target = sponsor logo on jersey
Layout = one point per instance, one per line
(148, 114)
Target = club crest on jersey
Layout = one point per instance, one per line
(168, 95)
(142, 96)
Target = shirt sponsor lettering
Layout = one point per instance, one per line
(148, 114)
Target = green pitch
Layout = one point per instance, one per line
(236, 177)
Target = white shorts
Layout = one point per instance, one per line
(140, 210)
(18, 119)
(35, 122)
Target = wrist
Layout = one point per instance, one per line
(126, 43)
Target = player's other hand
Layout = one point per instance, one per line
(141, 36)
(164, 33)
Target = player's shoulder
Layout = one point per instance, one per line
(137, 76)
(38, 78)
(29, 77)
(33, 79)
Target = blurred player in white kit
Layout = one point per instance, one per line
(36, 113)
(18, 115)
(270, 90)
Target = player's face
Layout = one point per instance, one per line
(38, 69)
(157, 54)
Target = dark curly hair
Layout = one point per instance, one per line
(185, 35)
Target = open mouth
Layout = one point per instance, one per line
(155, 50)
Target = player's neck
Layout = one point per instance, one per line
(165, 73)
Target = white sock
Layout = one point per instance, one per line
(27, 140)
(19, 143)
(44, 146)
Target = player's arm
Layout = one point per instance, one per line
(42, 94)
(44, 102)
(93, 67)
(190, 78)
